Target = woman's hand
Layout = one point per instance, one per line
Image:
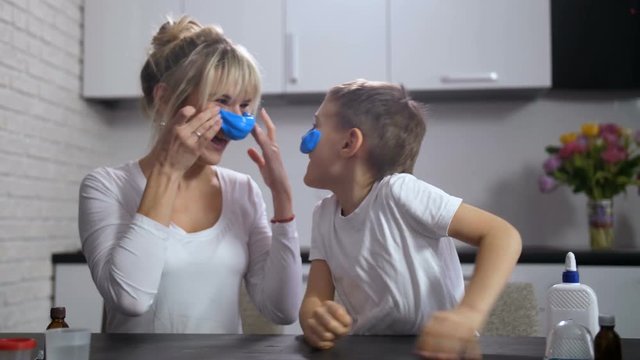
(327, 323)
(451, 335)
(271, 166)
(185, 137)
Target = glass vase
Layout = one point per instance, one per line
(600, 223)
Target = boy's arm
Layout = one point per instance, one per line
(453, 331)
(319, 288)
(499, 247)
(321, 319)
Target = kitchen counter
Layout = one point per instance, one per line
(209, 346)
(530, 255)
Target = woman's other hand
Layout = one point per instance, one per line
(271, 166)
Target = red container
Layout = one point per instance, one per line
(17, 348)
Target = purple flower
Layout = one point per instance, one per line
(610, 128)
(547, 184)
(574, 147)
(610, 138)
(552, 164)
(610, 133)
(614, 154)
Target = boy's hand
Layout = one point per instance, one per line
(451, 335)
(328, 322)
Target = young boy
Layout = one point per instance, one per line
(382, 242)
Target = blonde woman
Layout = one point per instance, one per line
(170, 237)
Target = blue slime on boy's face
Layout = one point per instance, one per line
(236, 127)
(310, 140)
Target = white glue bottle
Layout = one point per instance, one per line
(571, 300)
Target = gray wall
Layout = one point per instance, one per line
(489, 152)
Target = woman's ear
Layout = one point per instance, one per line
(160, 92)
(352, 143)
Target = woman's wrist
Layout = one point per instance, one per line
(289, 219)
(282, 205)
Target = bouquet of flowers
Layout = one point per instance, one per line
(600, 161)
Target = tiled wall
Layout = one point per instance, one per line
(49, 138)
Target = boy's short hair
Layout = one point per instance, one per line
(393, 125)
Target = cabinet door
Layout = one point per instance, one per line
(117, 37)
(470, 44)
(258, 25)
(331, 41)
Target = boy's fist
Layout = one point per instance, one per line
(328, 322)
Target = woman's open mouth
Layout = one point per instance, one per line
(220, 141)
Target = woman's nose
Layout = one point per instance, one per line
(235, 109)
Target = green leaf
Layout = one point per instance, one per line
(552, 149)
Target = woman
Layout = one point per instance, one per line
(169, 238)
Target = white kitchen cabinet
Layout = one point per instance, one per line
(307, 46)
(617, 289)
(332, 41)
(117, 36)
(470, 44)
(258, 25)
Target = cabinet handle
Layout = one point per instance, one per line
(470, 78)
(292, 47)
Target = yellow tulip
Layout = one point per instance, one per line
(568, 138)
(590, 129)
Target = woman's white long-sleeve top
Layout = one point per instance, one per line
(159, 279)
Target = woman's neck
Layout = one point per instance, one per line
(197, 171)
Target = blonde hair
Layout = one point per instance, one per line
(187, 56)
(393, 125)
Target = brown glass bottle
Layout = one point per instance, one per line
(607, 344)
(57, 318)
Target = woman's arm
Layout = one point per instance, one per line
(274, 279)
(274, 276)
(125, 252)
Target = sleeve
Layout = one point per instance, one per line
(125, 252)
(274, 275)
(317, 248)
(426, 207)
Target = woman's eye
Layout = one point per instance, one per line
(222, 101)
(244, 105)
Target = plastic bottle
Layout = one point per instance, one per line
(569, 340)
(572, 300)
(57, 318)
(607, 344)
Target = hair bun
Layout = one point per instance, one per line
(171, 32)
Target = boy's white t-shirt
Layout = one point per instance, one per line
(391, 260)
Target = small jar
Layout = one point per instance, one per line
(17, 348)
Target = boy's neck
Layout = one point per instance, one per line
(354, 190)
